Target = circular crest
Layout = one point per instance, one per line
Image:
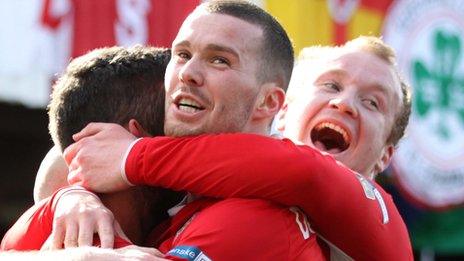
(428, 37)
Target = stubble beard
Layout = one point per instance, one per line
(235, 122)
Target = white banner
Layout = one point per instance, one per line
(39, 37)
(428, 37)
(26, 54)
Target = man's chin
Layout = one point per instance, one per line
(181, 130)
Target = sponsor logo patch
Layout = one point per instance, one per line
(189, 253)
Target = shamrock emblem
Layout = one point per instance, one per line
(439, 86)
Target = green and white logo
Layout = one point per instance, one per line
(428, 36)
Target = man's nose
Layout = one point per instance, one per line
(191, 73)
(345, 104)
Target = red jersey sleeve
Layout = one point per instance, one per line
(356, 215)
(35, 226)
(32, 229)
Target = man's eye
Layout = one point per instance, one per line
(371, 103)
(332, 86)
(183, 55)
(220, 60)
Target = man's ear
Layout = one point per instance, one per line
(385, 159)
(269, 102)
(280, 125)
(136, 129)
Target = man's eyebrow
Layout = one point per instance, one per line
(222, 48)
(182, 43)
(381, 88)
(337, 72)
(210, 47)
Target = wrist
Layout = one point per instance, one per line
(126, 169)
(70, 190)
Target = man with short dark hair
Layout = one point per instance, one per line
(264, 52)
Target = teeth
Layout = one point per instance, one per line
(335, 128)
(188, 105)
(187, 109)
(186, 101)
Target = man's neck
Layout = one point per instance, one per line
(126, 210)
(263, 130)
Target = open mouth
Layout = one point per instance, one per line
(189, 105)
(330, 137)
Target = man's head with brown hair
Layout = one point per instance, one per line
(231, 64)
(117, 85)
(349, 101)
(109, 85)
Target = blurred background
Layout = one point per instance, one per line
(426, 179)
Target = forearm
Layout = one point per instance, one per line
(75, 254)
(64, 254)
(33, 255)
(222, 165)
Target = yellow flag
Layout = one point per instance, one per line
(328, 22)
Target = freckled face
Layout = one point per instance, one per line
(347, 109)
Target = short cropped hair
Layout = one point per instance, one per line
(277, 55)
(373, 45)
(113, 84)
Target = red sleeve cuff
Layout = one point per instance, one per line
(65, 190)
(133, 162)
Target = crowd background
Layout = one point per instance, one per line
(38, 37)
